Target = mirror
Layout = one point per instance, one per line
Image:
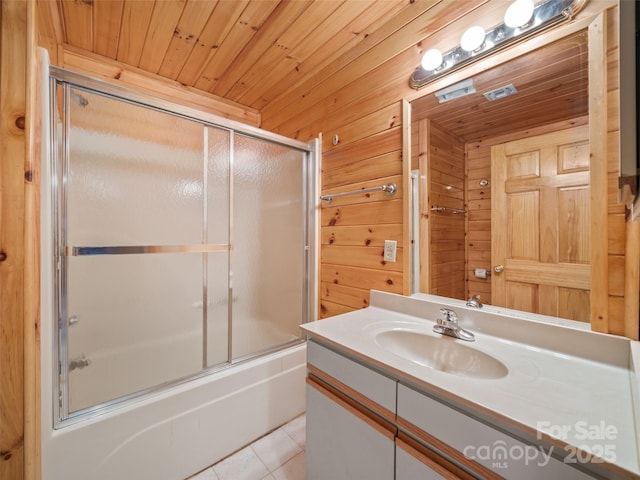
(501, 187)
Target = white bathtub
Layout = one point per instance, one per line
(117, 371)
(178, 432)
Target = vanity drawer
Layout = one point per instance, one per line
(369, 383)
(470, 439)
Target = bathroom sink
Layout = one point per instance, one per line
(441, 353)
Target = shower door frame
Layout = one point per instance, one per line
(310, 174)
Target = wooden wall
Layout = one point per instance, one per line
(354, 228)
(359, 99)
(478, 239)
(18, 419)
(12, 154)
(442, 168)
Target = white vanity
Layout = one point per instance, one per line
(530, 398)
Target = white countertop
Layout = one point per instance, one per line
(561, 380)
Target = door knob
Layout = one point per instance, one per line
(498, 268)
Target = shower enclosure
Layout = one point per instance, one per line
(182, 243)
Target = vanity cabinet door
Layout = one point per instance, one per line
(342, 442)
(414, 462)
(476, 445)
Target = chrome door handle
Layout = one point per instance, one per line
(498, 268)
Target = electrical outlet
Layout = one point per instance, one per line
(390, 250)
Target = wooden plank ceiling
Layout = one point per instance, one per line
(247, 51)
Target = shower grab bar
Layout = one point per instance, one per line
(389, 188)
(455, 211)
(140, 249)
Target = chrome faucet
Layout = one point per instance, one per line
(474, 302)
(449, 326)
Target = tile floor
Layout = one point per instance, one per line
(276, 456)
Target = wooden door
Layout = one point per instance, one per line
(540, 224)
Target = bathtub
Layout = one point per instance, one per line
(149, 362)
(169, 433)
(178, 432)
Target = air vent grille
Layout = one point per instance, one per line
(456, 91)
(501, 92)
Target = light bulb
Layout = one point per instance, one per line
(519, 13)
(472, 39)
(432, 59)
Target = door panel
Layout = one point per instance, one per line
(540, 224)
(129, 320)
(342, 444)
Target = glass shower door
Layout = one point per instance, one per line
(181, 245)
(218, 308)
(267, 245)
(132, 217)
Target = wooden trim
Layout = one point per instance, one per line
(632, 279)
(387, 429)
(598, 174)
(424, 227)
(469, 278)
(345, 390)
(452, 453)
(407, 200)
(432, 460)
(31, 302)
(315, 264)
(49, 27)
(498, 219)
(13, 151)
(121, 74)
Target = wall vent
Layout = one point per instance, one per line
(501, 92)
(456, 91)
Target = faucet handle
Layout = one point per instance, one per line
(450, 316)
(449, 326)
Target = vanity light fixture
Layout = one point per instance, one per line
(519, 13)
(522, 20)
(473, 39)
(432, 59)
